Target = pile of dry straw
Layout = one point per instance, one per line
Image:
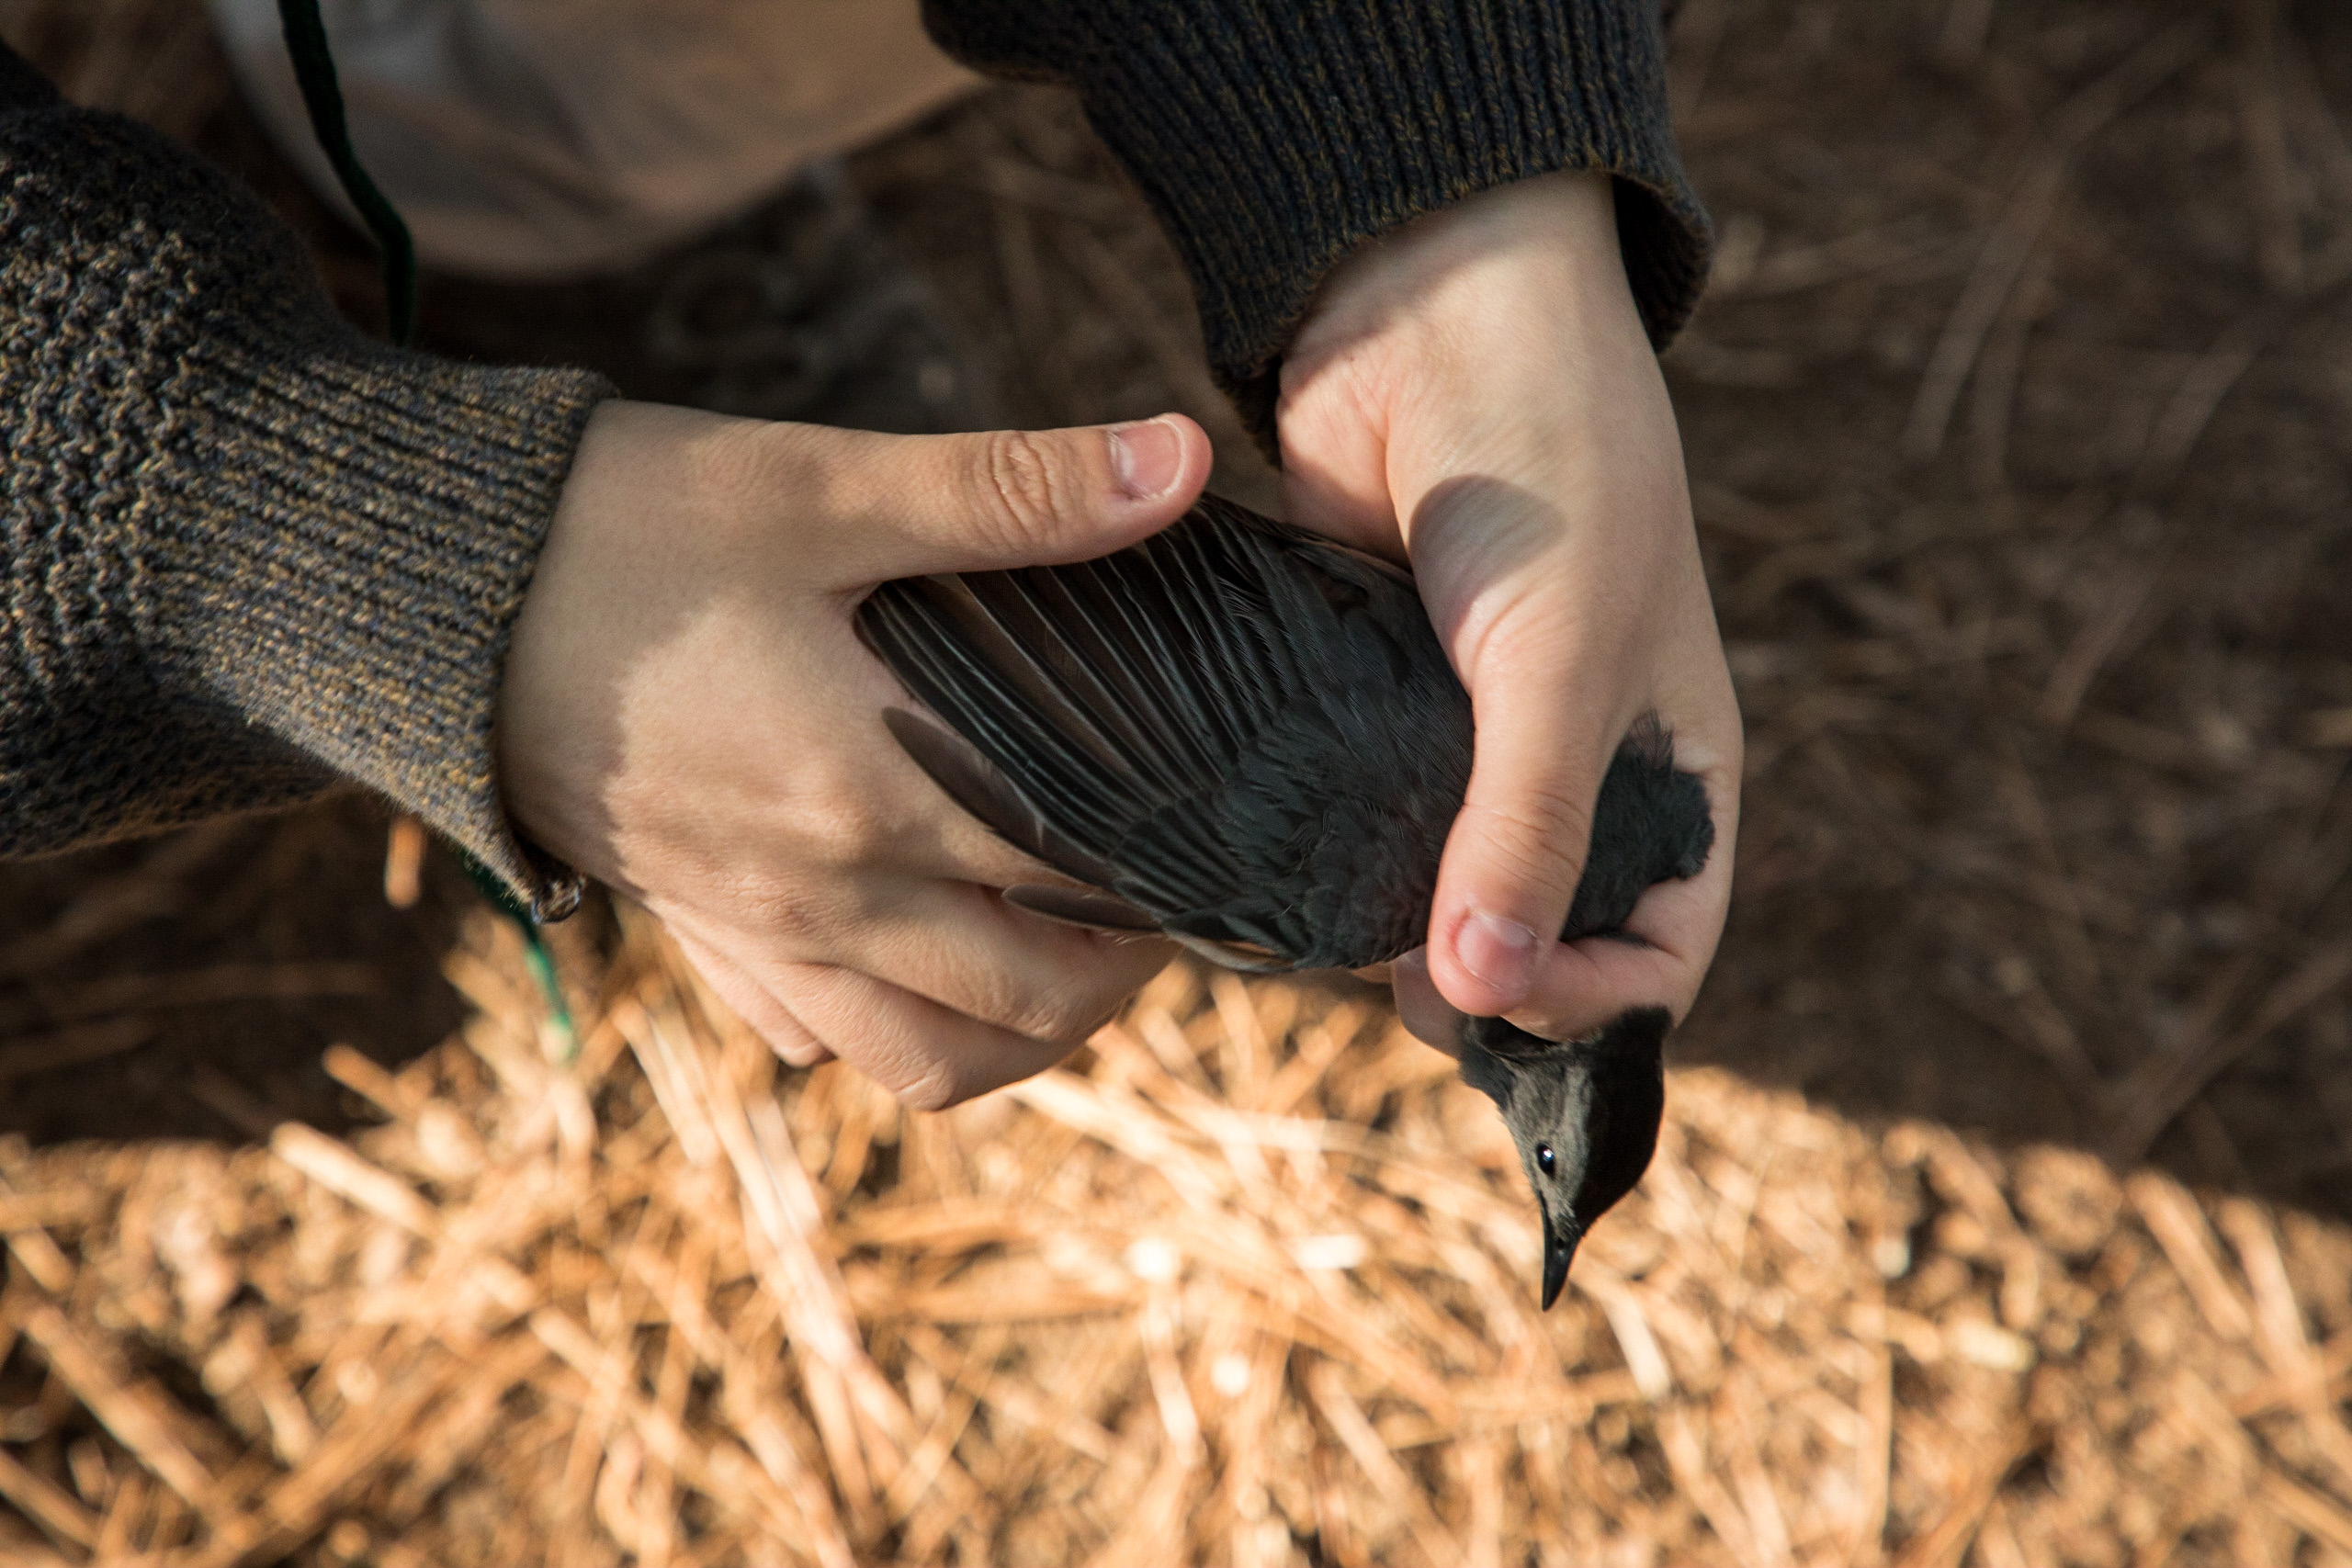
(1250, 1281)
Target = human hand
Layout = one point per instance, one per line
(687, 715)
(1475, 392)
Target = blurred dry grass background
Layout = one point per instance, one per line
(2004, 1210)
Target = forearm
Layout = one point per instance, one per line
(247, 551)
(1276, 140)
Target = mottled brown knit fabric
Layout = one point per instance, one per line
(244, 553)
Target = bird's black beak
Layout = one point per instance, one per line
(1560, 1238)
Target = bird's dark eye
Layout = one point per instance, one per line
(1544, 1159)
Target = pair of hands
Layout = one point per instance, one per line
(688, 716)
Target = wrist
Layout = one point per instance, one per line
(639, 544)
(1482, 340)
(1464, 273)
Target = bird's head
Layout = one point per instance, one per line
(1584, 1113)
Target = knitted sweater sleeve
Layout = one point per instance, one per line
(245, 551)
(1275, 136)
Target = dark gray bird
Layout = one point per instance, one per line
(1249, 738)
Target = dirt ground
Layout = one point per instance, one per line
(2019, 426)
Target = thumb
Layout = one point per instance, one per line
(1514, 856)
(1007, 498)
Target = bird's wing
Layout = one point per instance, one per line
(1081, 701)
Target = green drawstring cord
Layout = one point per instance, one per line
(306, 40)
(535, 956)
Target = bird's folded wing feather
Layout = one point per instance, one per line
(1081, 701)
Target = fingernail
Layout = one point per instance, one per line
(1148, 459)
(1499, 951)
(1426, 1016)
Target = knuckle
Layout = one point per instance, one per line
(1513, 635)
(935, 1086)
(1066, 1020)
(797, 1047)
(1067, 1008)
(1542, 837)
(1020, 483)
(1033, 1013)
(844, 829)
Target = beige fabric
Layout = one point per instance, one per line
(544, 137)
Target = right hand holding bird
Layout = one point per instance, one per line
(1475, 393)
(687, 715)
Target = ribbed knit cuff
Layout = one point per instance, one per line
(1273, 137)
(250, 551)
(358, 531)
